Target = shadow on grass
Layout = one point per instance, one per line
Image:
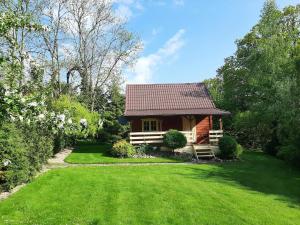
(88, 147)
(256, 172)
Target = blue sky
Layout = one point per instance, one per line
(187, 40)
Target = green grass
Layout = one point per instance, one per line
(258, 190)
(99, 153)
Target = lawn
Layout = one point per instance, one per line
(259, 190)
(99, 153)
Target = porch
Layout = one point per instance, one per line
(156, 137)
(199, 150)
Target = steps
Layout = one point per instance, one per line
(203, 151)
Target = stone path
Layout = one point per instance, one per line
(59, 158)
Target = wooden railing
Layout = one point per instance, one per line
(214, 136)
(156, 137)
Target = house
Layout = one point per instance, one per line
(153, 109)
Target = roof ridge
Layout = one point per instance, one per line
(166, 84)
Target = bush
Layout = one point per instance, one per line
(251, 129)
(23, 151)
(240, 150)
(14, 164)
(39, 143)
(291, 154)
(106, 137)
(229, 148)
(143, 149)
(174, 139)
(123, 149)
(77, 111)
(59, 142)
(271, 147)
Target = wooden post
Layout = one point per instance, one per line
(210, 122)
(221, 123)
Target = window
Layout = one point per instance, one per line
(151, 125)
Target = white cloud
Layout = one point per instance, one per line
(173, 44)
(178, 2)
(125, 9)
(124, 12)
(156, 31)
(146, 65)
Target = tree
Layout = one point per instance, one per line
(102, 45)
(261, 81)
(16, 25)
(112, 112)
(53, 40)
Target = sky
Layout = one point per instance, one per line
(186, 40)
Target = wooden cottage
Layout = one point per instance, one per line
(153, 109)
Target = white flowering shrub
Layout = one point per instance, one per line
(30, 131)
(32, 110)
(86, 122)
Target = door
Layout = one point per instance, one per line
(189, 124)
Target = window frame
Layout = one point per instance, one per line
(150, 123)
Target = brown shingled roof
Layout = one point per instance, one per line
(169, 99)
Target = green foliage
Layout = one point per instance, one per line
(23, 151)
(247, 127)
(13, 155)
(59, 142)
(215, 87)
(77, 112)
(39, 144)
(260, 83)
(272, 146)
(240, 150)
(229, 148)
(123, 149)
(291, 154)
(105, 136)
(174, 139)
(143, 149)
(12, 21)
(111, 109)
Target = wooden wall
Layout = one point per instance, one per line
(172, 122)
(168, 122)
(136, 125)
(203, 124)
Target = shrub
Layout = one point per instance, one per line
(271, 147)
(78, 112)
(59, 142)
(174, 139)
(229, 148)
(14, 162)
(106, 137)
(143, 149)
(39, 143)
(251, 129)
(240, 150)
(123, 149)
(23, 151)
(291, 154)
